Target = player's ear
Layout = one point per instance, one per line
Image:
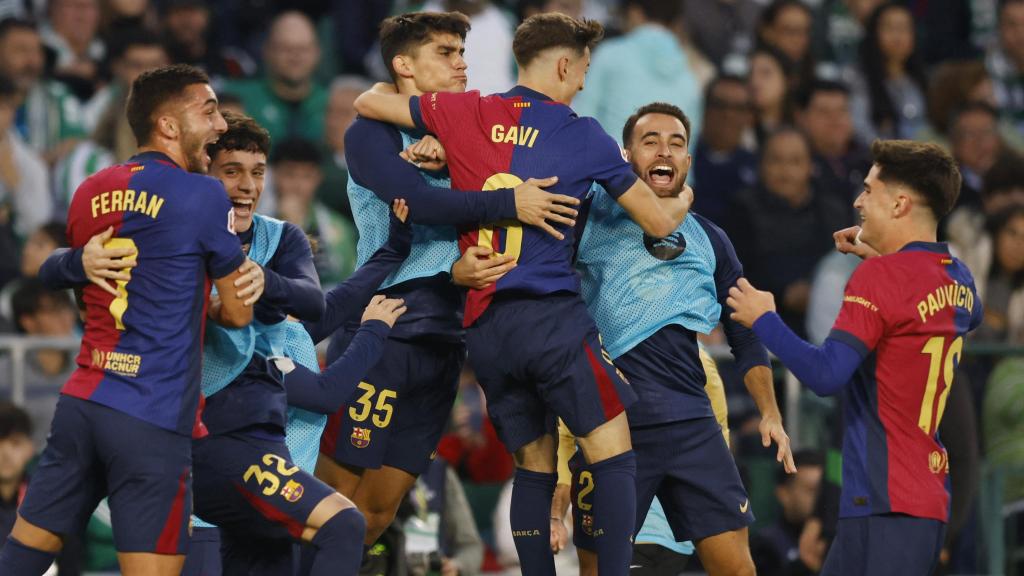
(402, 65)
(167, 126)
(563, 68)
(901, 205)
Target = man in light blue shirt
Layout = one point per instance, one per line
(647, 64)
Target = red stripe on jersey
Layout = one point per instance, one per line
(198, 428)
(101, 335)
(170, 536)
(329, 439)
(268, 510)
(605, 387)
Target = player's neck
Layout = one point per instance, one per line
(408, 86)
(544, 86)
(171, 151)
(905, 234)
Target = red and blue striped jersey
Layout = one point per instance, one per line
(907, 314)
(500, 141)
(141, 351)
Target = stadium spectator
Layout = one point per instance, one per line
(488, 43)
(782, 227)
(722, 163)
(623, 76)
(888, 96)
(287, 100)
(24, 185)
(295, 169)
(976, 145)
(471, 444)
(15, 452)
(48, 116)
(770, 82)
(339, 116)
(786, 26)
(131, 53)
(186, 26)
(1005, 62)
(440, 533)
(839, 28)
(955, 84)
(71, 32)
(841, 161)
(776, 547)
(997, 260)
(720, 28)
(41, 312)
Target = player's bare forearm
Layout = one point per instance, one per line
(658, 217)
(758, 381)
(560, 501)
(384, 104)
(761, 387)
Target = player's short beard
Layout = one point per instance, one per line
(194, 149)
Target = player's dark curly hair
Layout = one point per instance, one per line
(924, 167)
(553, 30)
(405, 33)
(153, 89)
(654, 108)
(244, 134)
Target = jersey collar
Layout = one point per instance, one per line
(527, 93)
(935, 247)
(153, 155)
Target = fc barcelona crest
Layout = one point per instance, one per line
(292, 491)
(360, 437)
(588, 524)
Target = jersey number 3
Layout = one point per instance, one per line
(943, 362)
(513, 228)
(119, 305)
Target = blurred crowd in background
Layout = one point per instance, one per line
(785, 97)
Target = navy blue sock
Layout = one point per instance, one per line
(339, 545)
(530, 519)
(16, 559)
(614, 513)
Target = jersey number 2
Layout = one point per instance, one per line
(943, 362)
(513, 228)
(119, 305)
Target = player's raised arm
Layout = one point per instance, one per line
(384, 103)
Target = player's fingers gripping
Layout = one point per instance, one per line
(543, 225)
(401, 209)
(543, 182)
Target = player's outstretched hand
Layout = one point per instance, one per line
(250, 283)
(772, 431)
(848, 242)
(427, 154)
(538, 207)
(385, 309)
(749, 303)
(104, 264)
(479, 267)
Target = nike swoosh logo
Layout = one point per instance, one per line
(744, 506)
(631, 566)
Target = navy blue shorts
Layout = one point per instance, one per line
(398, 413)
(885, 545)
(688, 466)
(540, 356)
(95, 451)
(251, 487)
(203, 558)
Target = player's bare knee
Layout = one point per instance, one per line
(607, 440)
(35, 537)
(538, 456)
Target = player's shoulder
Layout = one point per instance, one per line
(363, 126)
